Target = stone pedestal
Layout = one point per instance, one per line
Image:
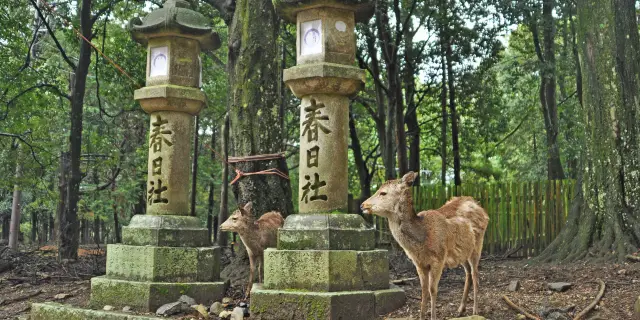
(325, 265)
(161, 258)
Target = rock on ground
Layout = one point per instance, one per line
(171, 308)
(560, 286)
(225, 314)
(188, 300)
(216, 308)
(237, 314)
(474, 317)
(514, 286)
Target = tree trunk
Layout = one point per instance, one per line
(550, 108)
(116, 220)
(194, 171)
(455, 142)
(383, 129)
(14, 228)
(254, 77)
(222, 237)
(34, 226)
(411, 116)
(44, 232)
(52, 228)
(96, 230)
(395, 107)
(445, 116)
(83, 233)
(68, 248)
(210, 201)
(361, 165)
(603, 221)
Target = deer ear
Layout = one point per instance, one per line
(241, 209)
(248, 207)
(409, 178)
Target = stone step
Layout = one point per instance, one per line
(56, 311)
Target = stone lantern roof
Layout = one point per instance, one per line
(288, 9)
(178, 19)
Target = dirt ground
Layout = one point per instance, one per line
(36, 276)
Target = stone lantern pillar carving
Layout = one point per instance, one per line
(326, 265)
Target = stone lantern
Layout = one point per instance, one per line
(326, 265)
(166, 252)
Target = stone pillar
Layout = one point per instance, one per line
(166, 253)
(326, 265)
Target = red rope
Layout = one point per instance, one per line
(240, 173)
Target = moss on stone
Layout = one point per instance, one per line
(149, 296)
(150, 263)
(55, 311)
(285, 304)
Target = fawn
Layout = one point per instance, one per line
(450, 236)
(256, 235)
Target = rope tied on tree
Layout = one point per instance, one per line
(253, 158)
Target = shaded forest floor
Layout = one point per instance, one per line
(36, 276)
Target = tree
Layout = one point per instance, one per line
(604, 220)
(254, 107)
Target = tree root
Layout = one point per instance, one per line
(403, 281)
(633, 258)
(584, 312)
(519, 309)
(25, 297)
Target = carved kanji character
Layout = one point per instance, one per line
(157, 137)
(312, 122)
(313, 188)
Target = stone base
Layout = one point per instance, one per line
(157, 264)
(326, 232)
(352, 305)
(149, 296)
(326, 270)
(389, 300)
(165, 231)
(56, 311)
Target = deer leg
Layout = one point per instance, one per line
(260, 268)
(434, 278)
(251, 269)
(465, 292)
(424, 284)
(475, 276)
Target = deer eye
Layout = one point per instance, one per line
(234, 219)
(383, 193)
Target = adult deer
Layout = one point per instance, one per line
(256, 236)
(434, 239)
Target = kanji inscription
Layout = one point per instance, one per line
(154, 195)
(313, 188)
(312, 122)
(312, 157)
(156, 166)
(158, 134)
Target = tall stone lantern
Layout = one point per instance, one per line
(325, 265)
(166, 253)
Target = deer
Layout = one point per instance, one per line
(447, 237)
(256, 236)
